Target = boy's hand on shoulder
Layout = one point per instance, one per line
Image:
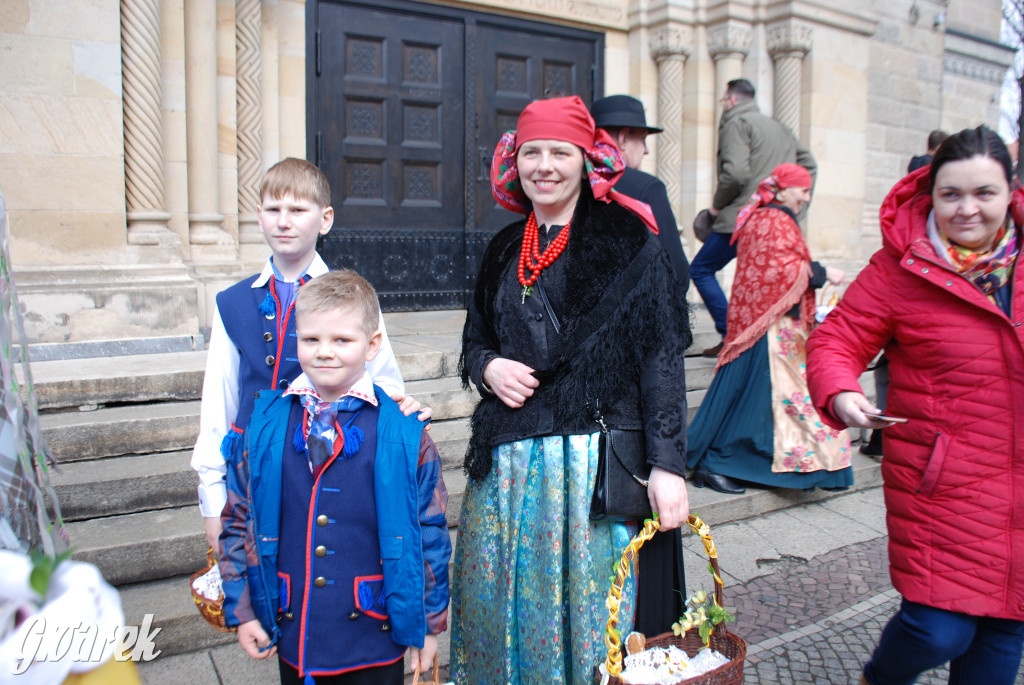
(254, 640)
(425, 656)
(408, 405)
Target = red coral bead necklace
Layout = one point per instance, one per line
(530, 256)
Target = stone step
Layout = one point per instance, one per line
(117, 431)
(136, 378)
(132, 548)
(125, 485)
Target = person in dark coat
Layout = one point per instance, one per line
(622, 117)
(661, 559)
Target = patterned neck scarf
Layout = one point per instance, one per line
(316, 434)
(989, 271)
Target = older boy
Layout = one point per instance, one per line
(252, 343)
(334, 550)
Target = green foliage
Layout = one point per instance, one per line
(43, 567)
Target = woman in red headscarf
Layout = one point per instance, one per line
(756, 422)
(569, 318)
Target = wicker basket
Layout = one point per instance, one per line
(728, 644)
(211, 609)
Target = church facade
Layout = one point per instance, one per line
(133, 133)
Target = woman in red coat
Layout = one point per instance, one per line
(942, 299)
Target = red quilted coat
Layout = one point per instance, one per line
(954, 474)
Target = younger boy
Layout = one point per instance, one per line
(252, 342)
(334, 547)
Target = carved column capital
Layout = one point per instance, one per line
(729, 38)
(671, 41)
(789, 38)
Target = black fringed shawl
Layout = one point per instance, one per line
(622, 342)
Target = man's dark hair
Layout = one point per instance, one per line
(972, 142)
(740, 88)
(935, 139)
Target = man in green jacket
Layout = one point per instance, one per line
(750, 145)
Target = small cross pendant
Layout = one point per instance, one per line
(527, 291)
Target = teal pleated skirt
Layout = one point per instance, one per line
(532, 571)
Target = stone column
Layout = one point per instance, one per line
(143, 134)
(250, 118)
(729, 45)
(207, 238)
(787, 44)
(670, 46)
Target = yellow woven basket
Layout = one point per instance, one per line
(728, 644)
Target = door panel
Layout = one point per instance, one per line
(407, 101)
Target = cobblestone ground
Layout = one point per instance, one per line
(818, 622)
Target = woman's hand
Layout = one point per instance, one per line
(424, 657)
(253, 638)
(853, 409)
(667, 492)
(835, 276)
(511, 381)
(407, 405)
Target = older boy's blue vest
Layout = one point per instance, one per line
(265, 338)
(342, 625)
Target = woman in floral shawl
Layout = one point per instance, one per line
(756, 422)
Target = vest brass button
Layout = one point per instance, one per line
(289, 615)
(353, 616)
(320, 582)
(321, 520)
(385, 627)
(320, 551)
(270, 360)
(268, 336)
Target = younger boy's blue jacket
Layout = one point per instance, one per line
(410, 501)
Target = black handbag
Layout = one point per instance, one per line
(620, 486)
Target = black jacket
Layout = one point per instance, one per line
(646, 188)
(621, 340)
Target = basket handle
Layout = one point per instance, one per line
(612, 640)
(437, 672)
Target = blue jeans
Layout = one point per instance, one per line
(712, 258)
(981, 651)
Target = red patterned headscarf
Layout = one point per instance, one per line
(783, 176)
(564, 119)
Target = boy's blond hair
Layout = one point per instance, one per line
(341, 289)
(302, 179)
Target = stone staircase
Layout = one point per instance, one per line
(122, 429)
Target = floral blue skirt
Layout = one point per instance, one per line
(532, 571)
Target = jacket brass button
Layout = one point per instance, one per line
(321, 520)
(320, 582)
(320, 551)
(353, 616)
(268, 336)
(270, 360)
(385, 627)
(289, 615)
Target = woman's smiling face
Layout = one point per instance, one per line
(970, 198)
(551, 172)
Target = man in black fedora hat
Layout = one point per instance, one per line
(661, 585)
(623, 118)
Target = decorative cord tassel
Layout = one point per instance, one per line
(267, 306)
(299, 440)
(353, 439)
(227, 445)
